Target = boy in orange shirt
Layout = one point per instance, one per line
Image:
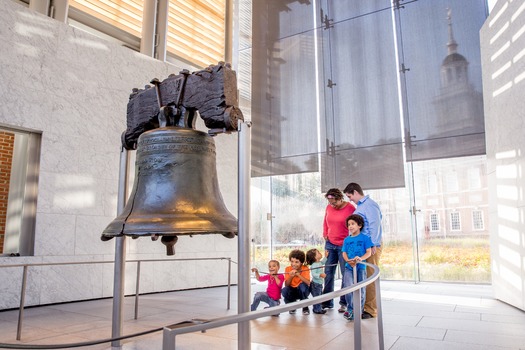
(297, 282)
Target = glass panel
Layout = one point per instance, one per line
(441, 62)
(397, 259)
(284, 94)
(261, 220)
(377, 167)
(455, 243)
(337, 10)
(293, 17)
(361, 94)
(298, 214)
(361, 135)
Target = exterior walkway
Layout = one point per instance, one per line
(416, 316)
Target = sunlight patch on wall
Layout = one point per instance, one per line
(89, 43)
(507, 192)
(74, 192)
(506, 154)
(509, 234)
(509, 213)
(509, 276)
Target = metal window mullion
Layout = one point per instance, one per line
(162, 29)
(149, 19)
(60, 10)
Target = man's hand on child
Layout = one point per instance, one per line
(322, 275)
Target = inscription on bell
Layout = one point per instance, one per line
(179, 148)
(173, 139)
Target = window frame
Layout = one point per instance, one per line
(480, 219)
(455, 221)
(434, 222)
(24, 193)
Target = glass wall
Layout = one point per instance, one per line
(385, 94)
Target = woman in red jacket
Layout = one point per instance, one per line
(334, 233)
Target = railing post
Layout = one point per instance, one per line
(22, 301)
(243, 278)
(229, 282)
(168, 340)
(137, 282)
(357, 311)
(120, 254)
(379, 315)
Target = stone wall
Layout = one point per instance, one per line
(73, 88)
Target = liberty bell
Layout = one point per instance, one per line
(176, 191)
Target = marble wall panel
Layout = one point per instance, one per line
(69, 193)
(10, 288)
(22, 106)
(88, 230)
(503, 67)
(68, 283)
(55, 234)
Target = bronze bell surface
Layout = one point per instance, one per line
(176, 191)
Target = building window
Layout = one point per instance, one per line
(434, 222)
(474, 178)
(452, 182)
(455, 221)
(432, 184)
(19, 165)
(477, 220)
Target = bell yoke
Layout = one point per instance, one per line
(176, 191)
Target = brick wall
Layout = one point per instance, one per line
(7, 140)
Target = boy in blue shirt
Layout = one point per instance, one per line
(356, 248)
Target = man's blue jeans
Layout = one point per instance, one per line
(263, 296)
(348, 279)
(334, 256)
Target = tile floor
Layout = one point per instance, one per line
(416, 316)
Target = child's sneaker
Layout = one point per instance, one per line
(349, 315)
(291, 312)
(306, 311)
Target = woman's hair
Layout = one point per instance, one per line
(334, 193)
(357, 218)
(311, 256)
(297, 254)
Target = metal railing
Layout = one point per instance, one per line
(137, 281)
(171, 331)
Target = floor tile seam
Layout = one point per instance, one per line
(483, 333)
(485, 323)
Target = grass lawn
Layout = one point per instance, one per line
(445, 260)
